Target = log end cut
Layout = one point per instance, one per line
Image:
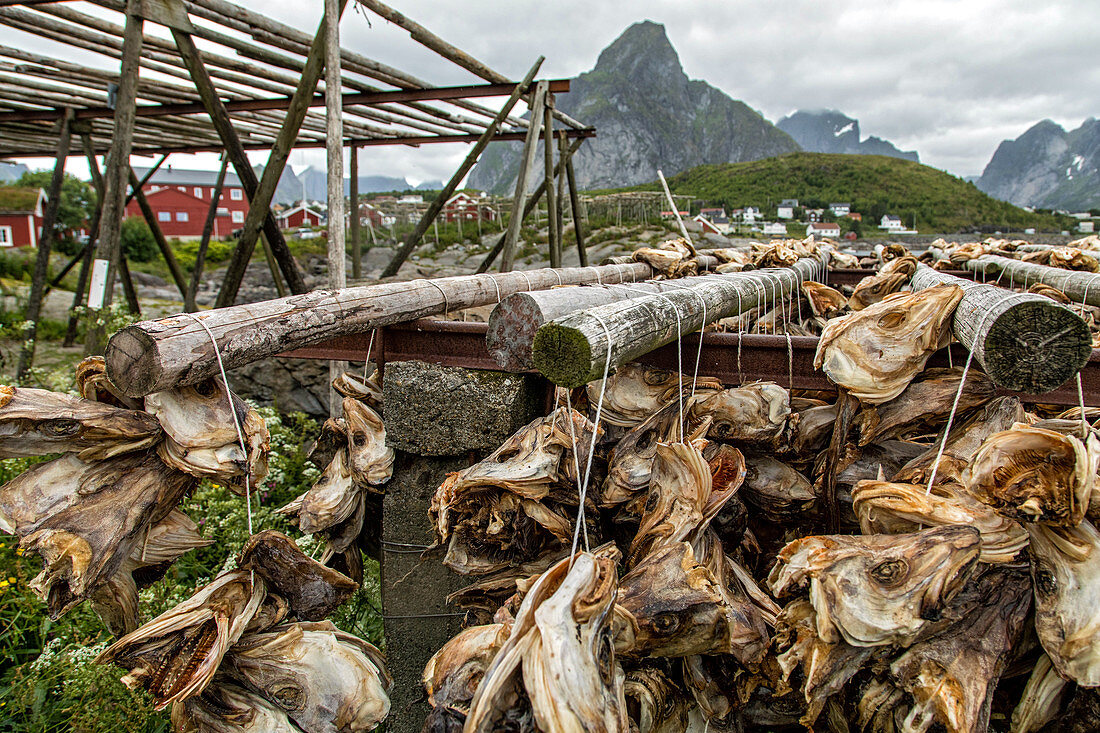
(563, 355)
(512, 328)
(1036, 346)
(132, 362)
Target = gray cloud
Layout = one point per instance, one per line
(947, 78)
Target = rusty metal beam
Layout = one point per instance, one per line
(762, 357)
(470, 91)
(412, 141)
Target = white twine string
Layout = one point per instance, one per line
(592, 449)
(370, 347)
(236, 420)
(679, 357)
(1081, 402)
(577, 463)
(528, 280)
(699, 350)
(446, 303)
(495, 285)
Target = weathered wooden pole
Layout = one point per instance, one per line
(532, 203)
(158, 236)
(93, 237)
(128, 288)
(574, 207)
(259, 197)
(1024, 342)
(117, 164)
(45, 242)
(559, 215)
(437, 205)
(189, 304)
(356, 245)
(573, 350)
(525, 163)
(155, 355)
(1080, 287)
(334, 144)
(552, 240)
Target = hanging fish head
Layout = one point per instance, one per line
(825, 302)
(875, 288)
(635, 391)
(371, 458)
(875, 353)
(879, 589)
(679, 492)
(753, 413)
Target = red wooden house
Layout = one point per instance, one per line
(300, 216)
(174, 193)
(463, 206)
(20, 215)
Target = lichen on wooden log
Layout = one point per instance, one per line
(1024, 342)
(1078, 286)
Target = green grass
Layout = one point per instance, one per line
(873, 184)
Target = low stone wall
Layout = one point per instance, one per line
(438, 420)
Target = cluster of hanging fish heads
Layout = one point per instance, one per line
(655, 554)
(251, 650)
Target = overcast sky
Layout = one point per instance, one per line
(947, 78)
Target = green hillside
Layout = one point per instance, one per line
(873, 184)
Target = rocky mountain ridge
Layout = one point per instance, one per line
(830, 131)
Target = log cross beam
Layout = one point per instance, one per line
(259, 213)
(45, 241)
(441, 200)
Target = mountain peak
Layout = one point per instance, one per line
(643, 48)
(831, 131)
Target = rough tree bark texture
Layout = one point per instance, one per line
(1078, 286)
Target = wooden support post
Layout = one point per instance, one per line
(158, 235)
(573, 350)
(259, 197)
(189, 304)
(128, 288)
(273, 266)
(334, 144)
(93, 237)
(1080, 287)
(552, 233)
(1024, 342)
(154, 355)
(559, 214)
(525, 163)
(532, 202)
(574, 207)
(45, 242)
(356, 245)
(448, 190)
(146, 178)
(118, 165)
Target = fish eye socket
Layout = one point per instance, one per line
(62, 427)
(207, 389)
(891, 320)
(651, 502)
(666, 623)
(890, 572)
(289, 696)
(654, 379)
(604, 658)
(1045, 583)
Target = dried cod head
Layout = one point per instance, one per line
(776, 489)
(630, 464)
(365, 390)
(84, 541)
(371, 459)
(453, 674)
(331, 500)
(893, 508)
(874, 288)
(753, 413)
(670, 605)
(34, 422)
(667, 262)
(843, 260)
(901, 332)
(561, 640)
(906, 264)
(825, 302)
(1065, 571)
(116, 601)
(224, 707)
(201, 433)
(311, 590)
(1035, 475)
(654, 702)
(877, 590)
(928, 399)
(951, 676)
(325, 679)
(1041, 699)
(175, 655)
(634, 392)
(45, 489)
(93, 384)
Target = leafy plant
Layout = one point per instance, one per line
(137, 240)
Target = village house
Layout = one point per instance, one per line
(855, 216)
(786, 208)
(750, 214)
(823, 229)
(707, 225)
(1085, 227)
(464, 207)
(891, 223)
(814, 214)
(672, 214)
(411, 199)
(20, 215)
(180, 199)
(840, 209)
(712, 213)
(300, 216)
(371, 216)
(775, 228)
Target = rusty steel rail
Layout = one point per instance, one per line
(787, 362)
